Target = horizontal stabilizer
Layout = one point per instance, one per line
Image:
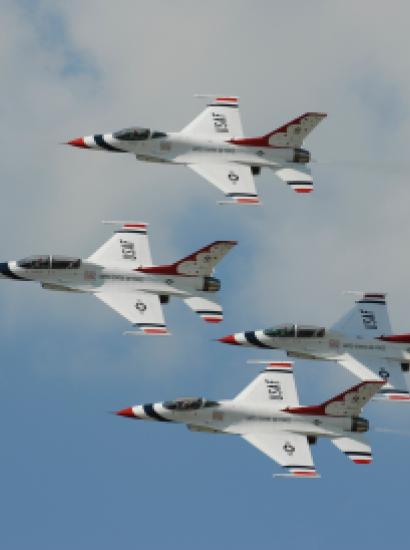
(355, 447)
(209, 311)
(298, 177)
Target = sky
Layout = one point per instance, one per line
(72, 475)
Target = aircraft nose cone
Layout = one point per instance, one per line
(78, 142)
(230, 339)
(128, 412)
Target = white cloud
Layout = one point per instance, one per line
(75, 68)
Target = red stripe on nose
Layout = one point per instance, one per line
(78, 142)
(230, 339)
(126, 412)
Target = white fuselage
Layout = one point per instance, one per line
(331, 347)
(91, 277)
(233, 417)
(180, 148)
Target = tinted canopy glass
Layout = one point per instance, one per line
(305, 331)
(189, 404)
(65, 262)
(35, 262)
(281, 331)
(133, 134)
(295, 331)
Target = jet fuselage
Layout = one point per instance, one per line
(91, 277)
(240, 418)
(179, 148)
(331, 347)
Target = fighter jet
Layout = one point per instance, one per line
(361, 342)
(267, 415)
(121, 274)
(214, 146)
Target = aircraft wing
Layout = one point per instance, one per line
(128, 247)
(368, 318)
(209, 311)
(355, 447)
(290, 450)
(275, 386)
(235, 180)
(397, 384)
(143, 310)
(220, 119)
(296, 176)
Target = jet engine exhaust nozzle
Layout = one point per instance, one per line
(211, 284)
(360, 424)
(301, 156)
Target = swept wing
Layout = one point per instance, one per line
(219, 120)
(127, 248)
(143, 310)
(274, 385)
(234, 180)
(290, 450)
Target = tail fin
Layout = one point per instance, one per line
(290, 134)
(199, 264)
(348, 403)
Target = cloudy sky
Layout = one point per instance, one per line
(74, 476)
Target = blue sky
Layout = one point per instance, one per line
(75, 476)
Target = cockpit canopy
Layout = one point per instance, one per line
(189, 404)
(295, 331)
(35, 262)
(65, 262)
(49, 262)
(137, 134)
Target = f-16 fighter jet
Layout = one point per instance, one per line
(361, 342)
(214, 146)
(122, 275)
(267, 415)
